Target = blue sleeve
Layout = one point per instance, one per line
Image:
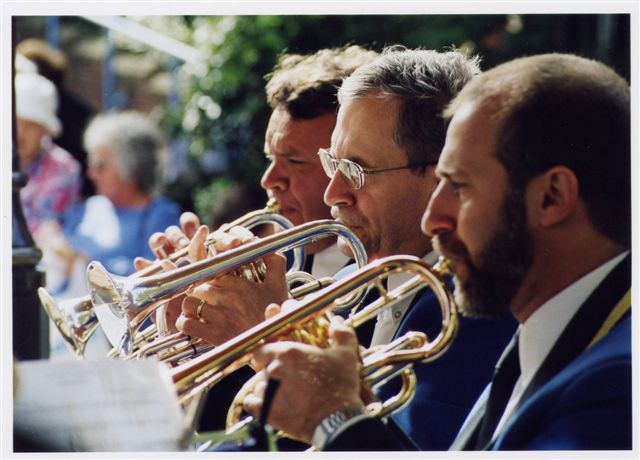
(71, 218)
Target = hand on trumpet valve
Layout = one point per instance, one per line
(233, 304)
(314, 382)
(173, 239)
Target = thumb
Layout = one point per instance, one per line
(341, 334)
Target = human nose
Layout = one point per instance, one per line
(338, 192)
(274, 177)
(440, 215)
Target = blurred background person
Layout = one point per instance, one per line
(126, 154)
(53, 174)
(73, 112)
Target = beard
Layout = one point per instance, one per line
(503, 262)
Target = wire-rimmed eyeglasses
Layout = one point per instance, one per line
(352, 172)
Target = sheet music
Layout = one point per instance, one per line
(108, 405)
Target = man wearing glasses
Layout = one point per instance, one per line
(524, 210)
(386, 142)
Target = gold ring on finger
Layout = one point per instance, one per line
(199, 310)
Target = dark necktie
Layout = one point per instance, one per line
(504, 379)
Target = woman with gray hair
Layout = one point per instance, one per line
(125, 156)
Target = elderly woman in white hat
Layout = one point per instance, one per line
(54, 178)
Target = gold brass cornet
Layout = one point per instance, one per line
(75, 318)
(123, 303)
(308, 323)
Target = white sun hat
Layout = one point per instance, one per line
(37, 101)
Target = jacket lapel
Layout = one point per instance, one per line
(583, 326)
(581, 329)
(573, 341)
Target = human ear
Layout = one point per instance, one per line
(555, 195)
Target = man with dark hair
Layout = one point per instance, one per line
(381, 181)
(522, 210)
(302, 91)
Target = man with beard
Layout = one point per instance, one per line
(524, 209)
(388, 136)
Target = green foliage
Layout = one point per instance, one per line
(209, 193)
(223, 114)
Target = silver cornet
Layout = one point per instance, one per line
(123, 303)
(75, 318)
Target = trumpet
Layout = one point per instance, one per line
(75, 318)
(176, 347)
(123, 303)
(309, 321)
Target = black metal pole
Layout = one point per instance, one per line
(30, 322)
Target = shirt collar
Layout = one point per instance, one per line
(389, 319)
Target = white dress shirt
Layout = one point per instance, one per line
(542, 329)
(389, 319)
(328, 261)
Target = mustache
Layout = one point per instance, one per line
(348, 219)
(450, 247)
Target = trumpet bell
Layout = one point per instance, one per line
(110, 306)
(74, 318)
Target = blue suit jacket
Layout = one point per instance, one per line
(580, 399)
(585, 406)
(449, 386)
